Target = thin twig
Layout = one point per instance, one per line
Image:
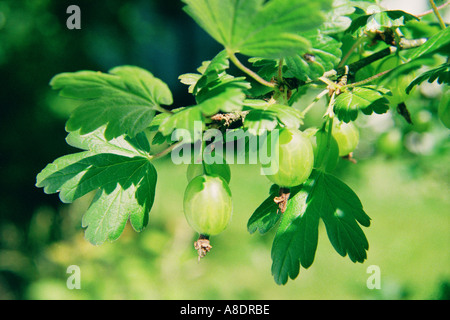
(280, 70)
(442, 6)
(350, 51)
(162, 110)
(370, 79)
(165, 151)
(319, 96)
(251, 73)
(437, 14)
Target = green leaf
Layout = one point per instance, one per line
(266, 215)
(326, 197)
(123, 145)
(341, 213)
(223, 97)
(256, 27)
(187, 121)
(296, 239)
(214, 81)
(324, 55)
(337, 20)
(125, 100)
(123, 177)
(367, 99)
(380, 21)
(109, 212)
(269, 116)
(190, 79)
(441, 73)
(436, 42)
(77, 174)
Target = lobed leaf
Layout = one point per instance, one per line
(367, 99)
(256, 27)
(266, 215)
(324, 55)
(117, 169)
(109, 212)
(326, 197)
(441, 73)
(296, 239)
(95, 141)
(269, 116)
(125, 100)
(380, 21)
(436, 42)
(337, 20)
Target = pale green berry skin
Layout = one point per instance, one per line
(207, 204)
(295, 159)
(347, 137)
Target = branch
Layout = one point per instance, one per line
(403, 45)
(370, 79)
(232, 119)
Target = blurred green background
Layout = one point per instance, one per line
(402, 178)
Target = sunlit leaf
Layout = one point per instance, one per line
(125, 100)
(257, 27)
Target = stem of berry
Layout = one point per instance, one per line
(282, 199)
(202, 246)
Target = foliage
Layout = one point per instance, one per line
(293, 50)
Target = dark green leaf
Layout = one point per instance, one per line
(296, 239)
(109, 212)
(380, 21)
(323, 56)
(326, 197)
(433, 44)
(117, 169)
(341, 211)
(441, 73)
(266, 215)
(367, 99)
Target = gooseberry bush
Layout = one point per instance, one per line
(356, 57)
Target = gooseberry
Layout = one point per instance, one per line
(347, 137)
(293, 160)
(207, 204)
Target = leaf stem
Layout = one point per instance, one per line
(308, 108)
(162, 110)
(437, 14)
(330, 113)
(330, 83)
(431, 11)
(350, 51)
(251, 73)
(165, 151)
(370, 79)
(280, 70)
